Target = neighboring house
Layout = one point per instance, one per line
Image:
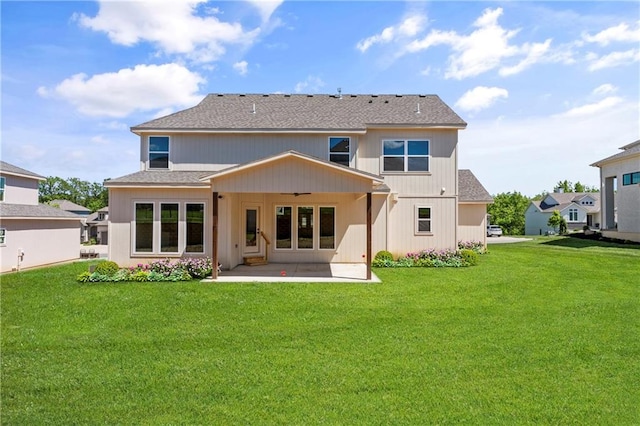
(577, 208)
(296, 178)
(98, 225)
(32, 234)
(620, 186)
(77, 209)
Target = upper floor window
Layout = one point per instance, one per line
(405, 156)
(630, 178)
(340, 150)
(2, 182)
(158, 152)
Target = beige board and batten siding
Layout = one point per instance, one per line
(626, 200)
(291, 175)
(121, 219)
(442, 163)
(472, 222)
(43, 241)
(402, 236)
(199, 151)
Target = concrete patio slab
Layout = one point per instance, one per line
(298, 272)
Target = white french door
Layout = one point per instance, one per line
(251, 227)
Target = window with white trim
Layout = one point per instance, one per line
(2, 183)
(405, 155)
(305, 227)
(573, 215)
(327, 227)
(169, 228)
(3, 236)
(423, 220)
(340, 150)
(284, 229)
(143, 228)
(158, 152)
(630, 178)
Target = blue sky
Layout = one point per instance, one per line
(546, 88)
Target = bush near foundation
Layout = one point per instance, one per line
(185, 269)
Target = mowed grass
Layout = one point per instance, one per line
(545, 332)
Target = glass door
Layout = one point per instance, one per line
(252, 229)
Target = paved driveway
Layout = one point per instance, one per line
(506, 240)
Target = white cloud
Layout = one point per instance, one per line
(619, 33)
(143, 88)
(605, 89)
(530, 154)
(266, 7)
(312, 84)
(593, 108)
(241, 67)
(611, 60)
(486, 48)
(409, 27)
(173, 27)
(480, 98)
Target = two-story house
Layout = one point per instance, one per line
(32, 234)
(579, 209)
(620, 186)
(296, 178)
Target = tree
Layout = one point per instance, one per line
(93, 196)
(507, 211)
(555, 220)
(565, 186)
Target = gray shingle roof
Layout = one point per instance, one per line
(305, 112)
(567, 198)
(37, 211)
(161, 178)
(629, 150)
(68, 206)
(470, 190)
(15, 170)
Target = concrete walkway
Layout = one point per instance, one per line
(506, 240)
(299, 272)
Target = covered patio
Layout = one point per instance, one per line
(298, 272)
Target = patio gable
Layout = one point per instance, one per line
(292, 172)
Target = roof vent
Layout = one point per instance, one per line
(339, 93)
(418, 110)
(253, 111)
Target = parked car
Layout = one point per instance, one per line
(494, 230)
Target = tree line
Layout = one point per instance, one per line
(91, 195)
(508, 208)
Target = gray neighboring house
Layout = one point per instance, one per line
(577, 208)
(32, 234)
(98, 226)
(620, 186)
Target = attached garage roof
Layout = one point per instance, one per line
(37, 211)
(470, 190)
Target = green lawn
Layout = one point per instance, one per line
(543, 332)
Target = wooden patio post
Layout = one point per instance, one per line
(214, 249)
(368, 236)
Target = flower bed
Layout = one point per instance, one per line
(185, 269)
(466, 255)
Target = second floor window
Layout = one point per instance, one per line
(405, 156)
(2, 181)
(630, 178)
(158, 152)
(339, 150)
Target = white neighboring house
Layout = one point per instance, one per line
(32, 234)
(620, 186)
(577, 208)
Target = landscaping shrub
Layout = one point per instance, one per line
(383, 259)
(469, 257)
(476, 246)
(107, 267)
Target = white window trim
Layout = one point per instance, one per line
(313, 222)
(416, 220)
(335, 216)
(204, 227)
(149, 152)
(339, 153)
(275, 226)
(157, 231)
(3, 235)
(405, 157)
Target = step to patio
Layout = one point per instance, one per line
(255, 260)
